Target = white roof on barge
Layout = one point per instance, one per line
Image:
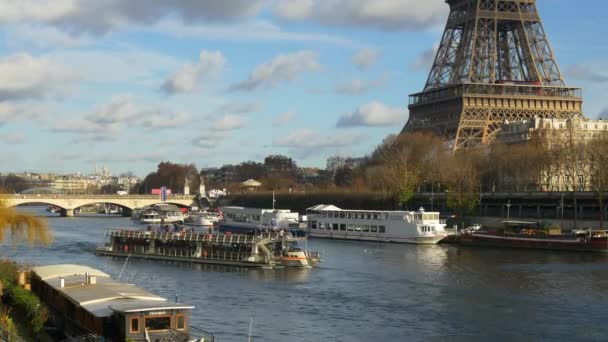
(330, 207)
(53, 271)
(104, 297)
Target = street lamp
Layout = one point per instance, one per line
(508, 205)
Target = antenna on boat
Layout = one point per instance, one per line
(273, 200)
(123, 267)
(250, 328)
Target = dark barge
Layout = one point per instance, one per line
(530, 235)
(269, 249)
(88, 304)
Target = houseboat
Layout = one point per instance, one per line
(248, 220)
(530, 235)
(418, 227)
(85, 302)
(264, 249)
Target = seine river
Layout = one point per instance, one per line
(366, 291)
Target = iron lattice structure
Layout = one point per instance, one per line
(494, 64)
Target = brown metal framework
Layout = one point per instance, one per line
(494, 64)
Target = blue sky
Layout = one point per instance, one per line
(131, 83)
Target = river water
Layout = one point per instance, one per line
(365, 291)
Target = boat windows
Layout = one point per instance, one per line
(351, 227)
(374, 229)
(358, 227)
(321, 225)
(335, 226)
(181, 322)
(382, 229)
(367, 216)
(134, 325)
(158, 323)
(366, 228)
(313, 224)
(342, 226)
(347, 215)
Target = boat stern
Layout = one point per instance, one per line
(299, 258)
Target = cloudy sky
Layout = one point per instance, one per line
(132, 83)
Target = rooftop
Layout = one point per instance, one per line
(106, 295)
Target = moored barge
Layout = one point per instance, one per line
(529, 235)
(88, 305)
(269, 249)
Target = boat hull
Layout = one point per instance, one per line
(573, 244)
(418, 240)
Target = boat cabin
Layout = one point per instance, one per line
(256, 218)
(85, 301)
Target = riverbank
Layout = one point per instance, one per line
(22, 314)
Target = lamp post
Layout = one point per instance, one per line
(508, 205)
(561, 207)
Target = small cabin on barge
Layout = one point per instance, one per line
(85, 301)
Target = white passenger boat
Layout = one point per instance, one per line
(149, 217)
(419, 227)
(245, 220)
(202, 218)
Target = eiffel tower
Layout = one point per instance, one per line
(494, 64)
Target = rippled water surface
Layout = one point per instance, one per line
(366, 291)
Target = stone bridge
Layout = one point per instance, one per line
(68, 203)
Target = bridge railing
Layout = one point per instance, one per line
(99, 197)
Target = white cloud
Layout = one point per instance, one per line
(586, 73)
(424, 61)
(248, 31)
(382, 14)
(229, 122)
(13, 112)
(119, 109)
(374, 114)
(359, 87)
(110, 119)
(283, 119)
(25, 77)
(305, 142)
(44, 36)
(209, 140)
(13, 138)
(294, 9)
(156, 120)
(99, 17)
(190, 75)
(366, 58)
(282, 68)
(124, 64)
(240, 108)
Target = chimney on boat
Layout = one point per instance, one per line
(61, 282)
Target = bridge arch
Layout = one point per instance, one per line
(41, 202)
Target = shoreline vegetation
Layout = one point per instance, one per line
(22, 314)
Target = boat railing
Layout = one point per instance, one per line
(313, 254)
(201, 335)
(197, 236)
